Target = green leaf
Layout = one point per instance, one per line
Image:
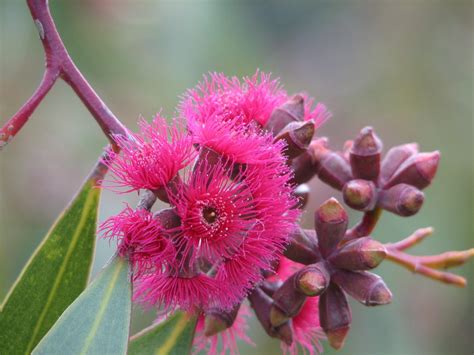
(98, 321)
(55, 275)
(173, 336)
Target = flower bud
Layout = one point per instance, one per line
(334, 170)
(298, 136)
(307, 164)
(418, 170)
(168, 218)
(331, 223)
(303, 247)
(311, 280)
(404, 200)
(360, 194)
(335, 315)
(217, 320)
(395, 157)
(367, 288)
(365, 155)
(359, 254)
(302, 194)
(261, 304)
(290, 111)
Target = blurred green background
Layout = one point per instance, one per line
(404, 67)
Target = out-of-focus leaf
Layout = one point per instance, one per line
(98, 321)
(55, 275)
(172, 336)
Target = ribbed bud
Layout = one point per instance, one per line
(367, 288)
(306, 165)
(365, 155)
(334, 170)
(261, 304)
(395, 157)
(168, 218)
(360, 194)
(290, 111)
(298, 136)
(335, 315)
(331, 223)
(418, 170)
(359, 254)
(162, 193)
(217, 320)
(303, 247)
(404, 200)
(302, 194)
(312, 280)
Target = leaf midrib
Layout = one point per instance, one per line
(171, 340)
(103, 307)
(62, 270)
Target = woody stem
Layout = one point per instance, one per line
(58, 63)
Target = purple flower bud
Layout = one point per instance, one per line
(418, 170)
(395, 157)
(367, 288)
(312, 280)
(334, 170)
(360, 194)
(217, 320)
(365, 155)
(331, 223)
(290, 111)
(303, 247)
(335, 315)
(404, 200)
(168, 218)
(298, 136)
(359, 254)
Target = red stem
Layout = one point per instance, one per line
(59, 63)
(365, 226)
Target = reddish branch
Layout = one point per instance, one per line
(428, 265)
(58, 63)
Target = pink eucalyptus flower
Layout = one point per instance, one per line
(150, 159)
(251, 100)
(139, 236)
(227, 338)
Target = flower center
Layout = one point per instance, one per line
(209, 214)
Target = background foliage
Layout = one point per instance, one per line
(404, 67)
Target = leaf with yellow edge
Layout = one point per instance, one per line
(98, 321)
(55, 275)
(174, 336)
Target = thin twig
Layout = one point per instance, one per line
(59, 63)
